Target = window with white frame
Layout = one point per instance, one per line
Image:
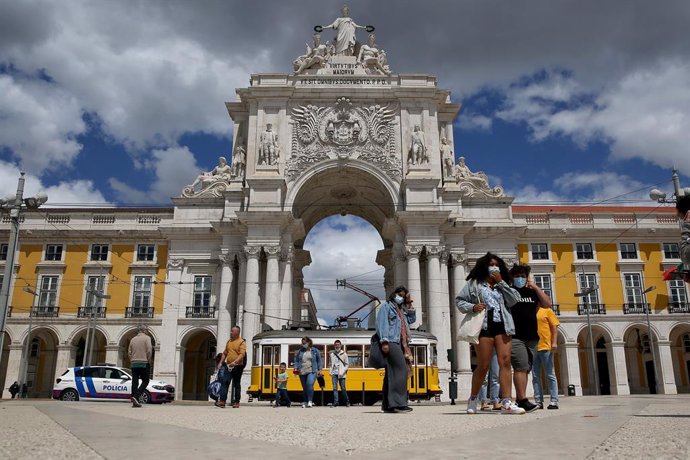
(94, 284)
(628, 251)
(142, 292)
(146, 252)
(544, 283)
(678, 292)
(633, 288)
(540, 251)
(99, 252)
(3, 251)
(584, 251)
(202, 291)
(671, 251)
(47, 297)
(588, 280)
(54, 252)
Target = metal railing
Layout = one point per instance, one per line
(44, 311)
(139, 312)
(594, 309)
(635, 308)
(200, 312)
(93, 312)
(679, 307)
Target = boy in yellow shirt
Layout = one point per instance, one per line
(547, 326)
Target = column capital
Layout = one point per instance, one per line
(434, 250)
(252, 251)
(227, 258)
(413, 250)
(273, 250)
(287, 254)
(175, 264)
(457, 258)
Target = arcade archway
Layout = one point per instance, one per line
(639, 361)
(40, 371)
(680, 355)
(198, 364)
(603, 367)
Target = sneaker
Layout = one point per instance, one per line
(310, 404)
(404, 409)
(472, 405)
(303, 406)
(235, 405)
(497, 406)
(509, 408)
(135, 402)
(485, 406)
(540, 405)
(527, 405)
(552, 405)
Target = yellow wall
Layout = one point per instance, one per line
(565, 284)
(610, 281)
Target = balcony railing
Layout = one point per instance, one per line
(556, 309)
(679, 307)
(201, 312)
(93, 312)
(635, 308)
(139, 312)
(593, 308)
(44, 312)
(9, 311)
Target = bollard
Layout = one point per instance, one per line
(571, 390)
(453, 388)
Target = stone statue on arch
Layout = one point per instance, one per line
(269, 149)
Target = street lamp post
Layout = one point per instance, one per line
(27, 346)
(584, 295)
(93, 315)
(13, 205)
(649, 334)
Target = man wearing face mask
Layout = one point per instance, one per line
(526, 335)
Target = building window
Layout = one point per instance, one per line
(2, 279)
(54, 252)
(145, 252)
(644, 344)
(686, 343)
(671, 251)
(540, 251)
(142, 292)
(588, 280)
(47, 296)
(35, 347)
(633, 288)
(628, 251)
(584, 251)
(544, 283)
(202, 291)
(3, 251)
(94, 284)
(99, 252)
(677, 291)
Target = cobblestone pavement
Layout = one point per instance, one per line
(594, 427)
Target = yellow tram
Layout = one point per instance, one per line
(363, 384)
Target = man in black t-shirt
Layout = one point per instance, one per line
(526, 335)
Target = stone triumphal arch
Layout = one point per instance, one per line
(343, 134)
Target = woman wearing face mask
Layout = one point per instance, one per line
(487, 290)
(308, 364)
(393, 328)
(339, 366)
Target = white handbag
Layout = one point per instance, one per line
(471, 326)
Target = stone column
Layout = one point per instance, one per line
(112, 354)
(384, 259)
(438, 308)
(414, 281)
(168, 367)
(463, 355)
(14, 365)
(273, 287)
(64, 359)
(225, 300)
(251, 322)
(400, 267)
(241, 283)
(666, 383)
(573, 371)
(286, 295)
(620, 371)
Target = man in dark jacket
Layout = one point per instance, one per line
(14, 389)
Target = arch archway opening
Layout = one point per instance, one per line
(40, 365)
(81, 349)
(602, 369)
(639, 360)
(123, 350)
(198, 364)
(680, 356)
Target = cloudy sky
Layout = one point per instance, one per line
(119, 102)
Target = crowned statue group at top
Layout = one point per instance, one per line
(373, 61)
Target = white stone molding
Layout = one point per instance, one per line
(252, 252)
(413, 250)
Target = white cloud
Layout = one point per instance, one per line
(63, 194)
(644, 115)
(39, 123)
(474, 122)
(173, 167)
(342, 247)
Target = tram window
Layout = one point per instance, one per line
(421, 356)
(255, 355)
(268, 356)
(354, 355)
(292, 352)
(322, 350)
(276, 355)
(327, 357)
(434, 355)
(367, 348)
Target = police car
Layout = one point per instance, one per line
(107, 383)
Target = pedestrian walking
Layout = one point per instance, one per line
(282, 396)
(393, 329)
(339, 366)
(308, 366)
(487, 291)
(526, 337)
(547, 325)
(235, 356)
(14, 389)
(140, 352)
(223, 377)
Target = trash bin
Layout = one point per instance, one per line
(571, 390)
(453, 389)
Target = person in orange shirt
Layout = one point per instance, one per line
(235, 355)
(547, 325)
